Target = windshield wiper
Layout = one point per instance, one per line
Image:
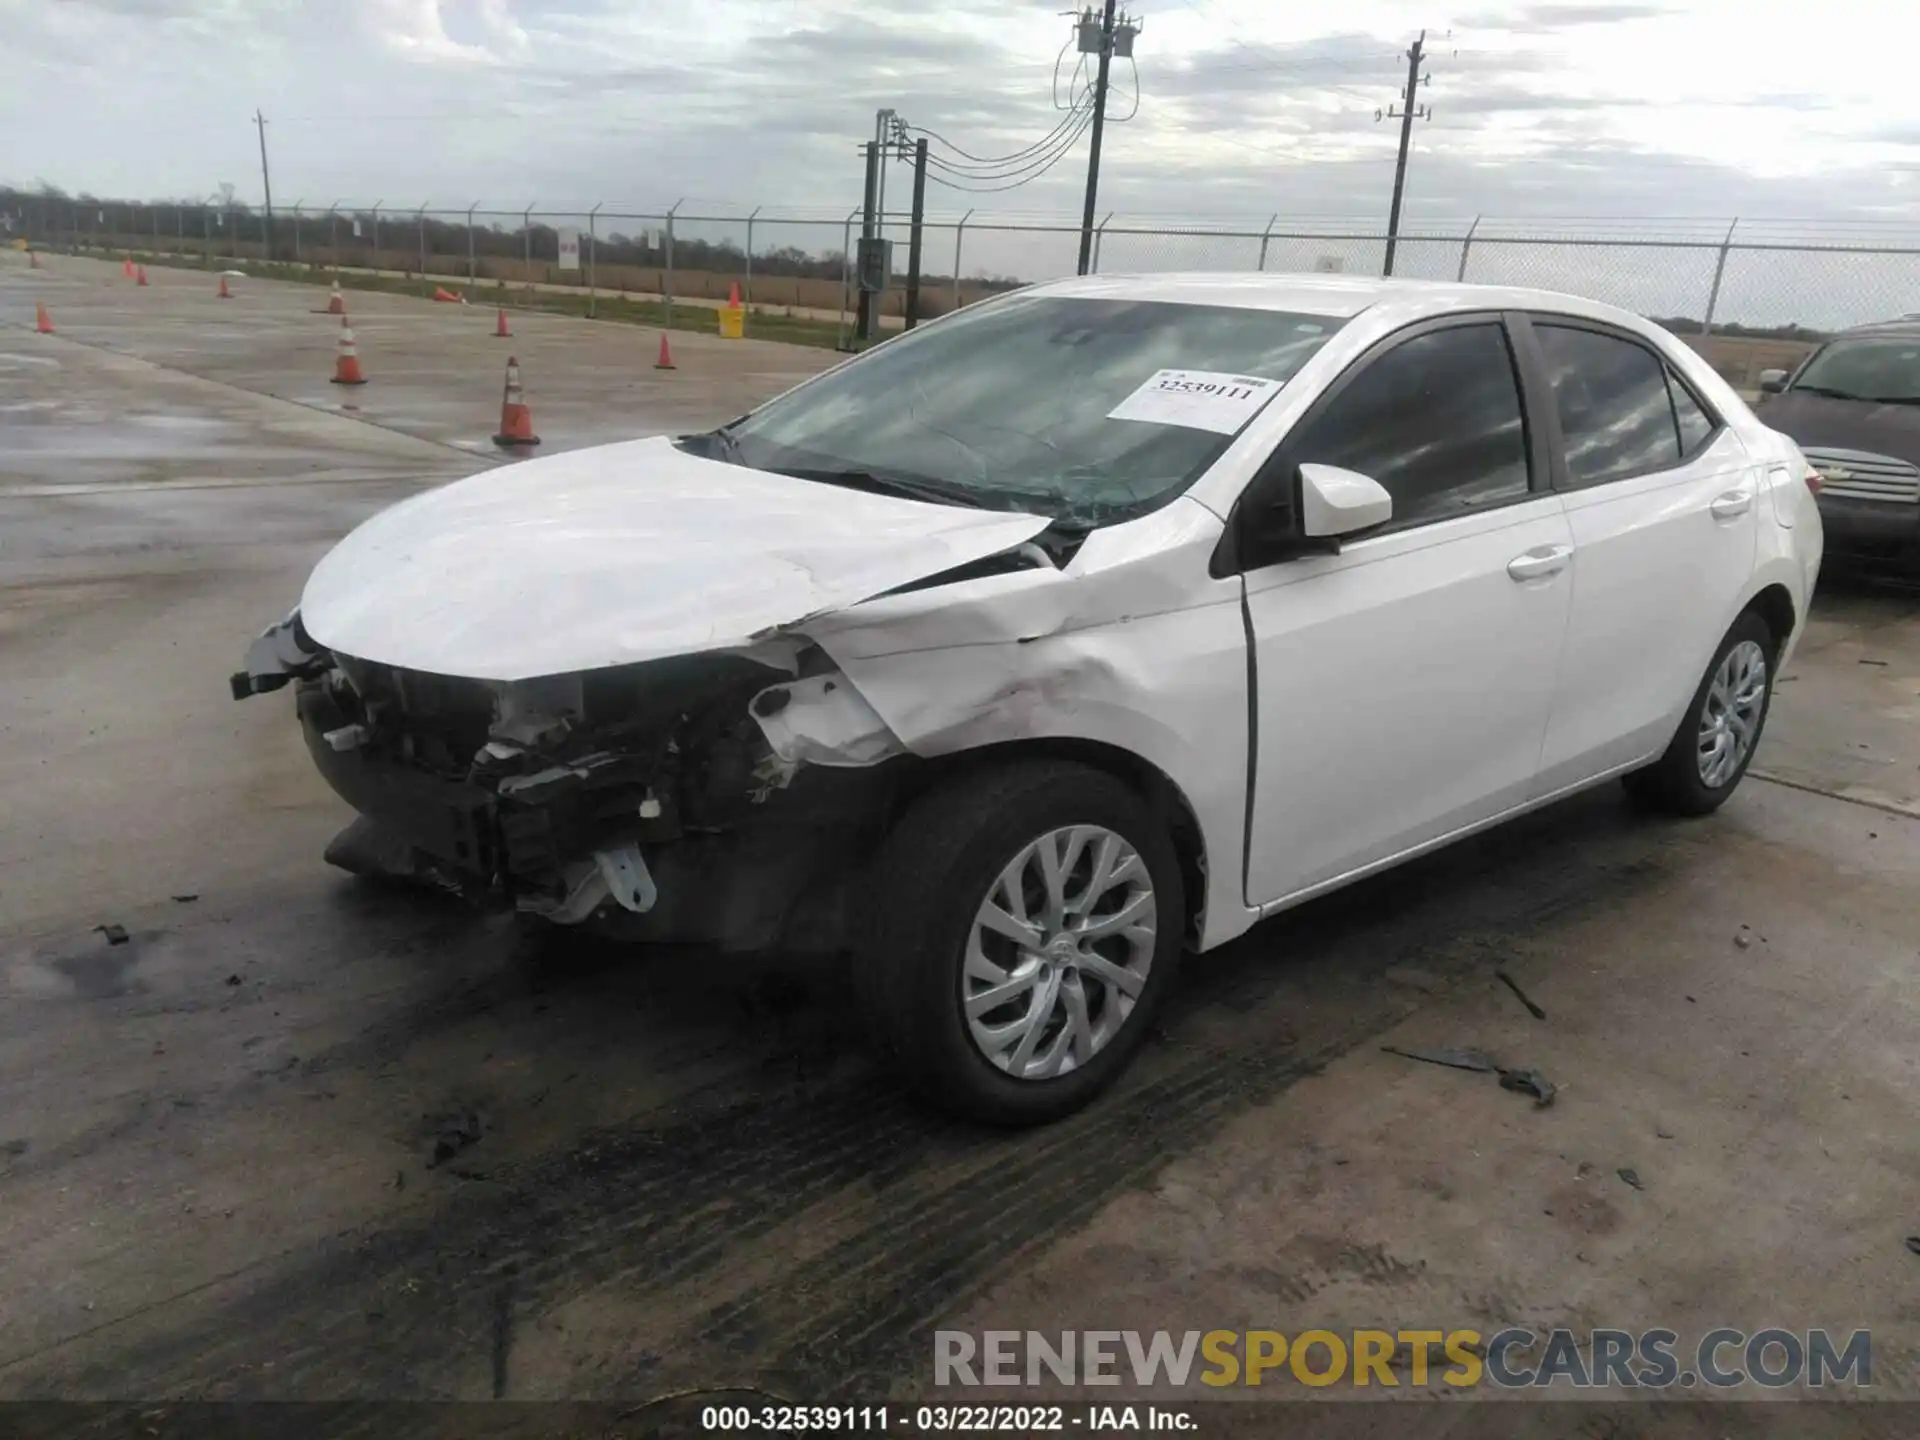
(884, 485)
(1831, 393)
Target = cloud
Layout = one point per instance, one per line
(1246, 107)
(1548, 19)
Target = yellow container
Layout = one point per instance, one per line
(733, 323)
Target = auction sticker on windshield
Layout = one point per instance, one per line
(1197, 399)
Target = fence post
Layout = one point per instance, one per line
(472, 274)
(526, 230)
(422, 218)
(846, 274)
(1099, 234)
(296, 231)
(375, 267)
(206, 235)
(1466, 249)
(1719, 269)
(667, 282)
(1265, 236)
(959, 234)
(749, 295)
(593, 245)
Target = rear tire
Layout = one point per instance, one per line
(1020, 1031)
(1721, 729)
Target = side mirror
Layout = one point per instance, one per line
(1335, 502)
(1772, 382)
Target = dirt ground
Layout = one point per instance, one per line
(302, 1138)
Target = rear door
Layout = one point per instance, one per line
(1664, 504)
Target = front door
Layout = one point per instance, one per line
(1402, 687)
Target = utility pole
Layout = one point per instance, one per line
(914, 232)
(1406, 112)
(1099, 124)
(266, 184)
(866, 314)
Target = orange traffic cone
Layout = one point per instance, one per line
(445, 297)
(500, 330)
(733, 295)
(126, 266)
(42, 321)
(141, 276)
(346, 368)
(336, 303)
(223, 293)
(516, 420)
(665, 362)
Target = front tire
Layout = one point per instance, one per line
(1711, 750)
(1028, 920)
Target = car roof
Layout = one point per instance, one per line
(1336, 296)
(1907, 326)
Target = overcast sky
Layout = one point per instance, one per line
(1704, 108)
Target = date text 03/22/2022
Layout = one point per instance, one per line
(945, 1419)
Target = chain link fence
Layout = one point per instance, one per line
(1769, 281)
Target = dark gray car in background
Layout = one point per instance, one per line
(1853, 406)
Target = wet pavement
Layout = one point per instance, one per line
(300, 1137)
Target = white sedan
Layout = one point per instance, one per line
(1080, 628)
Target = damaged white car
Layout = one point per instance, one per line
(1083, 626)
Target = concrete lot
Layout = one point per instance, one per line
(217, 1140)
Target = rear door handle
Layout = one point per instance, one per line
(1539, 562)
(1734, 502)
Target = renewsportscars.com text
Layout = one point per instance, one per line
(1461, 1359)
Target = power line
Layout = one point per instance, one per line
(997, 160)
(1040, 167)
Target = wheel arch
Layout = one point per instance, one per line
(1774, 604)
(1147, 780)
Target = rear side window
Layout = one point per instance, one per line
(1436, 420)
(1616, 415)
(1695, 424)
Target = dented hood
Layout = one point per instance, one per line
(619, 554)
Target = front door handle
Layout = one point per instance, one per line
(1731, 504)
(1539, 562)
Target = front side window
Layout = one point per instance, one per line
(1884, 370)
(1054, 405)
(1437, 421)
(1616, 413)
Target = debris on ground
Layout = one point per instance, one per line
(1631, 1176)
(462, 1134)
(1530, 1082)
(1525, 999)
(1524, 1081)
(14, 1149)
(116, 934)
(1913, 1243)
(1453, 1059)
(185, 899)
(1663, 1134)
(233, 979)
(1865, 661)
(1414, 978)
(1741, 942)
